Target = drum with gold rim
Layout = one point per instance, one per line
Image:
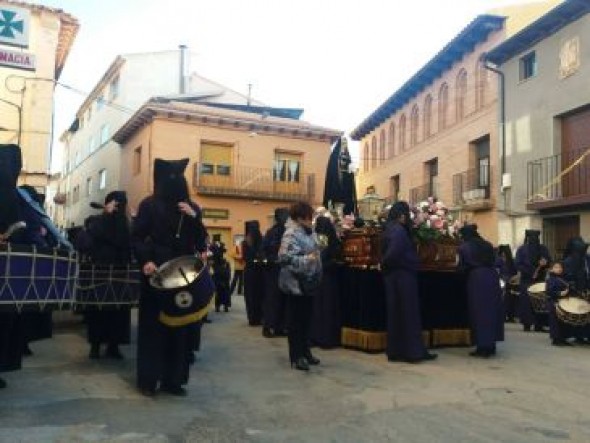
(538, 297)
(573, 311)
(185, 290)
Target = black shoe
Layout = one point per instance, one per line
(483, 353)
(426, 357)
(526, 328)
(148, 392)
(94, 352)
(266, 332)
(225, 309)
(311, 360)
(560, 342)
(280, 333)
(27, 351)
(206, 320)
(541, 329)
(114, 353)
(2, 383)
(179, 391)
(300, 364)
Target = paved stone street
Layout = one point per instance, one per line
(242, 389)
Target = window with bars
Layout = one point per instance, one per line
(528, 66)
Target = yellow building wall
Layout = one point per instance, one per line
(171, 139)
(34, 96)
(450, 145)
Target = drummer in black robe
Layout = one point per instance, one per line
(399, 264)
(110, 244)
(532, 260)
(168, 225)
(221, 274)
(557, 287)
(326, 323)
(484, 295)
(507, 270)
(576, 264)
(253, 272)
(275, 301)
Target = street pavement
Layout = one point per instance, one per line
(242, 389)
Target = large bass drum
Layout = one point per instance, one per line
(36, 278)
(573, 311)
(538, 297)
(185, 290)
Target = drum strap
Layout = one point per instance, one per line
(171, 321)
(45, 221)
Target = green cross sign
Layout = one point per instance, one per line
(8, 24)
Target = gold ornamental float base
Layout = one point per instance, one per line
(371, 341)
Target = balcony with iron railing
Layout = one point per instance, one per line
(471, 189)
(559, 180)
(421, 193)
(252, 182)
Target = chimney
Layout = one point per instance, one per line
(184, 69)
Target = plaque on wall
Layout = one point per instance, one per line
(219, 214)
(569, 57)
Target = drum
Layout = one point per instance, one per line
(538, 297)
(185, 290)
(573, 311)
(35, 278)
(514, 285)
(107, 286)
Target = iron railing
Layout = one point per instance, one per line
(252, 182)
(559, 176)
(421, 193)
(472, 185)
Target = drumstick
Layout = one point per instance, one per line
(14, 228)
(179, 225)
(184, 276)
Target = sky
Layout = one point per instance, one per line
(336, 59)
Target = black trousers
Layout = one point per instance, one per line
(237, 280)
(299, 313)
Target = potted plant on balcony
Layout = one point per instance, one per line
(435, 234)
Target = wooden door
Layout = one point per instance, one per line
(557, 232)
(575, 140)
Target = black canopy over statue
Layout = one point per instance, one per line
(340, 186)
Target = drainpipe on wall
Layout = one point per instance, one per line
(183, 69)
(502, 114)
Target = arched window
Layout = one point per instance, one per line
(374, 152)
(461, 94)
(481, 83)
(443, 106)
(402, 133)
(382, 147)
(428, 116)
(366, 157)
(391, 140)
(414, 123)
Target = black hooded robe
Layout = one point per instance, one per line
(163, 352)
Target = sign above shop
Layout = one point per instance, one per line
(19, 60)
(14, 26)
(219, 214)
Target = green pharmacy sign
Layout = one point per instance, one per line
(14, 26)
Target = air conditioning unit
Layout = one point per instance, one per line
(506, 180)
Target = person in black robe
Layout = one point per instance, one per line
(399, 264)
(12, 337)
(484, 295)
(221, 274)
(253, 272)
(507, 270)
(275, 301)
(340, 185)
(167, 225)
(532, 260)
(556, 288)
(326, 322)
(576, 264)
(110, 244)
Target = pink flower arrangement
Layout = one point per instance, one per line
(431, 219)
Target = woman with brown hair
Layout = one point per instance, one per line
(300, 278)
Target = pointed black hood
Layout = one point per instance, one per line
(169, 181)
